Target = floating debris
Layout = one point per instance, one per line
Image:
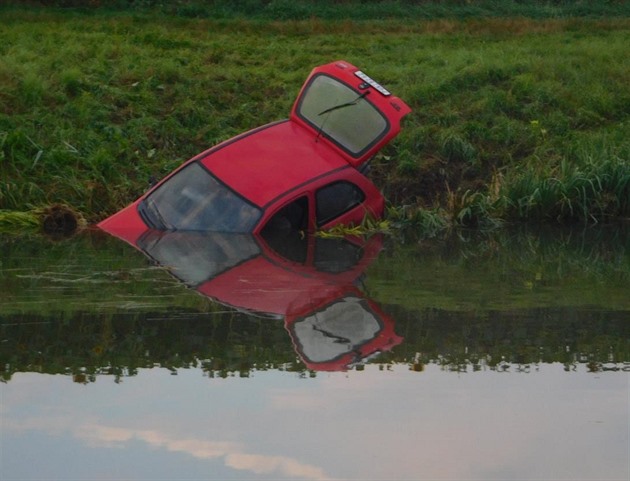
(59, 219)
(55, 220)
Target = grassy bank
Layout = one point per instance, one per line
(514, 119)
(347, 9)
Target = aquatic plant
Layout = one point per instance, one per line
(369, 226)
(586, 190)
(425, 222)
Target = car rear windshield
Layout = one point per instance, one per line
(342, 114)
(338, 329)
(194, 200)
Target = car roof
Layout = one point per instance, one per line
(267, 162)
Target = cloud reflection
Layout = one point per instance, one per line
(233, 453)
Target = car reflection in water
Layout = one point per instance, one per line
(311, 282)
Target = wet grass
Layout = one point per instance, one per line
(514, 119)
(54, 220)
(12, 221)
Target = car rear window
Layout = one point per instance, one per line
(193, 199)
(342, 114)
(340, 328)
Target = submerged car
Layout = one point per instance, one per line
(304, 173)
(311, 282)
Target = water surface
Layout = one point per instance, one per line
(502, 357)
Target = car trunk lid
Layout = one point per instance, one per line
(343, 107)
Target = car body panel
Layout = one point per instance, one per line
(251, 165)
(391, 108)
(260, 173)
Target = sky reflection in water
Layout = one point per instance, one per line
(399, 424)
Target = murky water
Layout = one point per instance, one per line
(495, 357)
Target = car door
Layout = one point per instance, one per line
(344, 197)
(340, 202)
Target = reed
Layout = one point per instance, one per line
(19, 221)
(583, 189)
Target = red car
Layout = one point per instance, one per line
(304, 173)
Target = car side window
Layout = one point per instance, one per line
(336, 199)
(292, 217)
(284, 231)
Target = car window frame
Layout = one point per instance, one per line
(321, 131)
(322, 222)
(142, 206)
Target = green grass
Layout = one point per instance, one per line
(352, 9)
(514, 118)
(11, 221)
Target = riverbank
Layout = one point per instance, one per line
(515, 119)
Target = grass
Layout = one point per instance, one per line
(353, 9)
(23, 221)
(592, 188)
(514, 118)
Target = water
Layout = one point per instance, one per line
(495, 357)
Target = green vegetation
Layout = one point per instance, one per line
(521, 118)
(350, 9)
(54, 219)
(222, 345)
(22, 221)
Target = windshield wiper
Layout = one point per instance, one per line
(336, 339)
(347, 104)
(337, 107)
